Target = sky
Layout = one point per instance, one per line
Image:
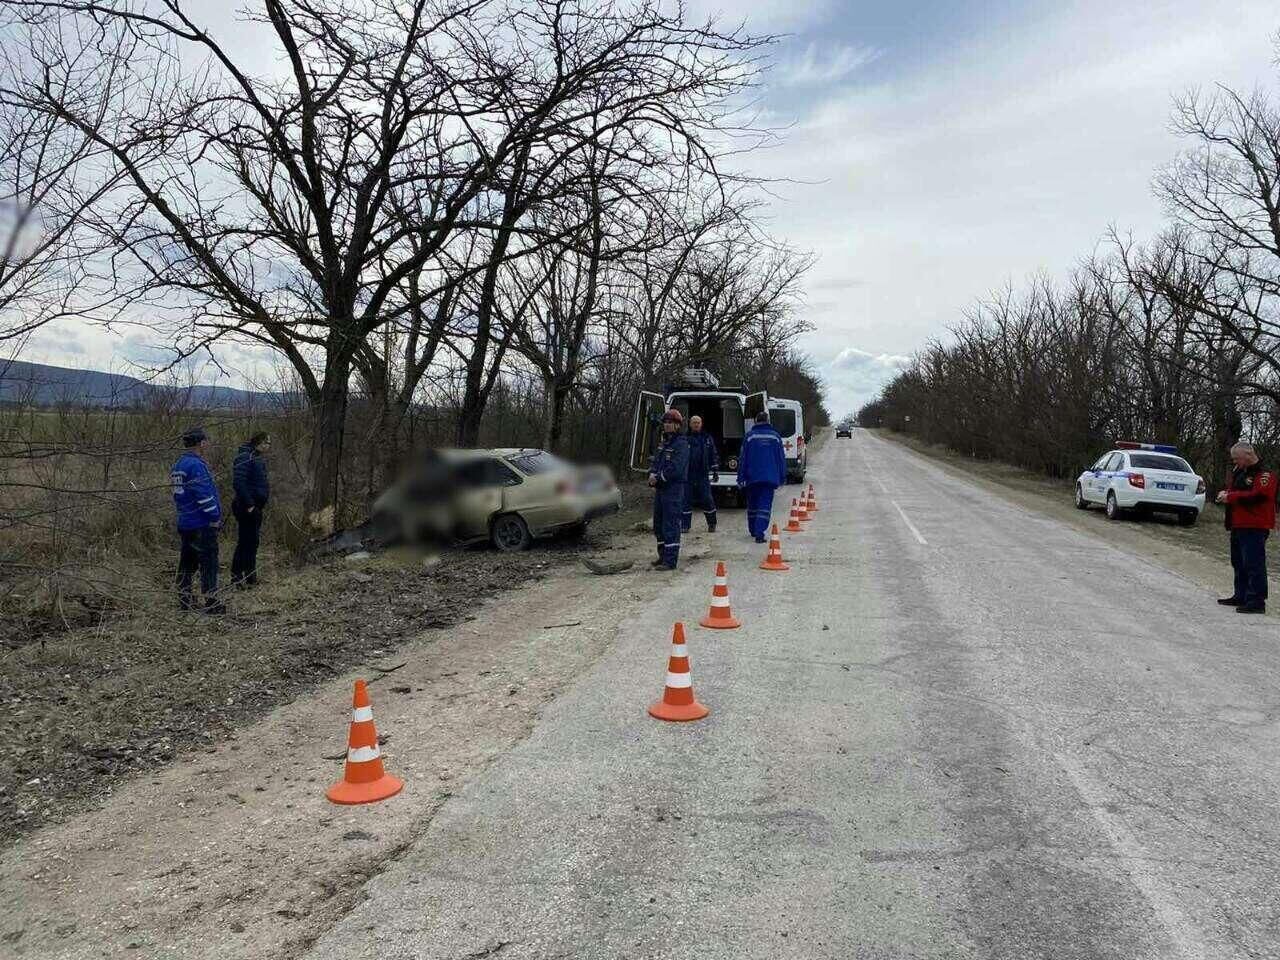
(935, 151)
(932, 152)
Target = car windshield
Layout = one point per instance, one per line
(783, 420)
(535, 462)
(1153, 461)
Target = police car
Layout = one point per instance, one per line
(1142, 477)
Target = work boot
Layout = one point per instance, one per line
(1230, 601)
(663, 567)
(759, 539)
(215, 608)
(658, 563)
(1262, 609)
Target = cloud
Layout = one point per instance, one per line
(855, 376)
(817, 67)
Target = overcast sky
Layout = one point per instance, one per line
(949, 147)
(937, 149)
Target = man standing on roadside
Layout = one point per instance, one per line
(762, 468)
(704, 469)
(195, 497)
(1250, 499)
(668, 475)
(252, 490)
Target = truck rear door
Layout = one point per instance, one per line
(646, 428)
(755, 404)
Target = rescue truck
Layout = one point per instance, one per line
(727, 414)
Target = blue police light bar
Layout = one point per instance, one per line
(1154, 447)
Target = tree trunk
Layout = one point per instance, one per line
(325, 457)
(557, 402)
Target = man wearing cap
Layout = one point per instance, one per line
(668, 475)
(762, 468)
(195, 497)
(1250, 499)
(704, 469)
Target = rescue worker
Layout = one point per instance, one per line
(195, 497)
(1250, 499)
(252, 490)
(668, 475)
(762, 468)
(704, 470)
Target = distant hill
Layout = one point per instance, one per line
(48, 386)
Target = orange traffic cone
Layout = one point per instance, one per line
(793, 524)
(363, 779)
(719, 617)
(812, 505)
(774, 560)
(800, 510)
(677, 701)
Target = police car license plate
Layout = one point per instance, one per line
(1168, 486)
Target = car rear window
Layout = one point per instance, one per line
(537, 462)
(1154, 461)
(783, 420)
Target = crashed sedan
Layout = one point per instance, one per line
(508, 496)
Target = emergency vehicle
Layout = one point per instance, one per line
(1142, 477)
(727, 414)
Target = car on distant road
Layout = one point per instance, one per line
(508, 497)
(1143, 478)
(844, 432)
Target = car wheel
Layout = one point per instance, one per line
(510, 533)
(1113, 509)
(1188, 518)
(1081, 502)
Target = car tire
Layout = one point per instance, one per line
(1081, 502)
(509, 533)
(1114, 512)
(1188, 518)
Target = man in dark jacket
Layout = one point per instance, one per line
(762, 468)
(704, 469)
(253, 490)
(1250, 499)
(195, 498)
(668, 475)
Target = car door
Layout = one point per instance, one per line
(1106, 475)
(646, 428)
(479, 495)
(1093, 479)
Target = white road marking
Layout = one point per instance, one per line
(1181, 932)
(910, 526)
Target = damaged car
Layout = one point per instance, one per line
(508, 497)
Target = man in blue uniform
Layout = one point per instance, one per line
(762, 468)
(668, 475)
(195, 497)
(252, 491)
(704, 469)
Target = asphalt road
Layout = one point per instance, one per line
(954, 729)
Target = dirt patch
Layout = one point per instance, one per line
(95, 706)
(1199, 553)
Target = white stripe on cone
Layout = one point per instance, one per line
(361, 714)
(675, 680)
(362, 754)
(719, 601)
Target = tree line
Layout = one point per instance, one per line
(449, 220)
(1174, 340)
